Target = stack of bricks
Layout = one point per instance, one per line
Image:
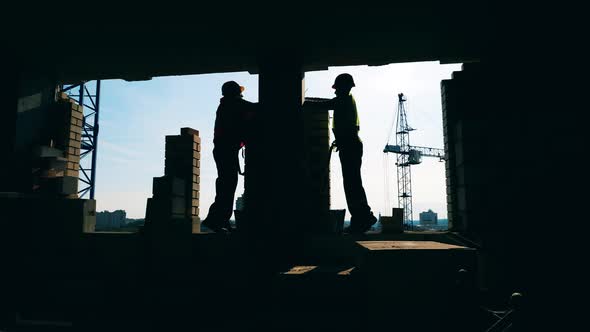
(60, 160)
(71, 118)
(317, 145)
(176, 195)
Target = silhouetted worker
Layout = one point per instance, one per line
(345, 126)
(230, 134)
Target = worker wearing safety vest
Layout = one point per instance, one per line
(230, 134)
(345, 126)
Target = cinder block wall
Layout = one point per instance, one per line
(468, 136)
(183, 160)
(317, 145)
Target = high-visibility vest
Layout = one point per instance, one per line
(346, 119)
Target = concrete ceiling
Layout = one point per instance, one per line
(221, 42)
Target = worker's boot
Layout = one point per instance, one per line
(360, 226)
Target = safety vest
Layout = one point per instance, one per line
(346, 119)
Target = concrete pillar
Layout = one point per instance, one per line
(275, 167)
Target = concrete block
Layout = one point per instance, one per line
(393, 224)
(167, 186)
(189, 131)
(55, 163)
(164, 208)
(45, 151)
(59, 186)
(179, 173)
(52, 173)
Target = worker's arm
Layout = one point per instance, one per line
(318, 104)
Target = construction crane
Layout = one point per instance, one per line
(407, 155)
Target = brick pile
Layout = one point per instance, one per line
(59, 161)
(176, 194)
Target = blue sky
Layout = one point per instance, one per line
(135, 117)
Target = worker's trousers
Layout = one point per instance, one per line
(226, 160)
(351, 159)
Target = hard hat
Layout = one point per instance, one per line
(231, 88)
(344, 81)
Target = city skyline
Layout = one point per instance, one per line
(136, 116)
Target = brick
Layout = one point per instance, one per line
(73, 158)
(197, 146)
(73, 165)
(74, 173)
(195, 194)
(196, 163)
(196, 186)
(73, 151)
(196, 178)
(195, 202)
(77, 114)
(76, 129)
(195, 211)
(62, 96)
(73, 144)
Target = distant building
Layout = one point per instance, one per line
(428, 218)
(107, 220)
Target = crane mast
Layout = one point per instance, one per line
(407, 155)
(404, 173)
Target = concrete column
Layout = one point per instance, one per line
(275, 167)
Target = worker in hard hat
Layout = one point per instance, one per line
(230, 134)
(345, 126)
